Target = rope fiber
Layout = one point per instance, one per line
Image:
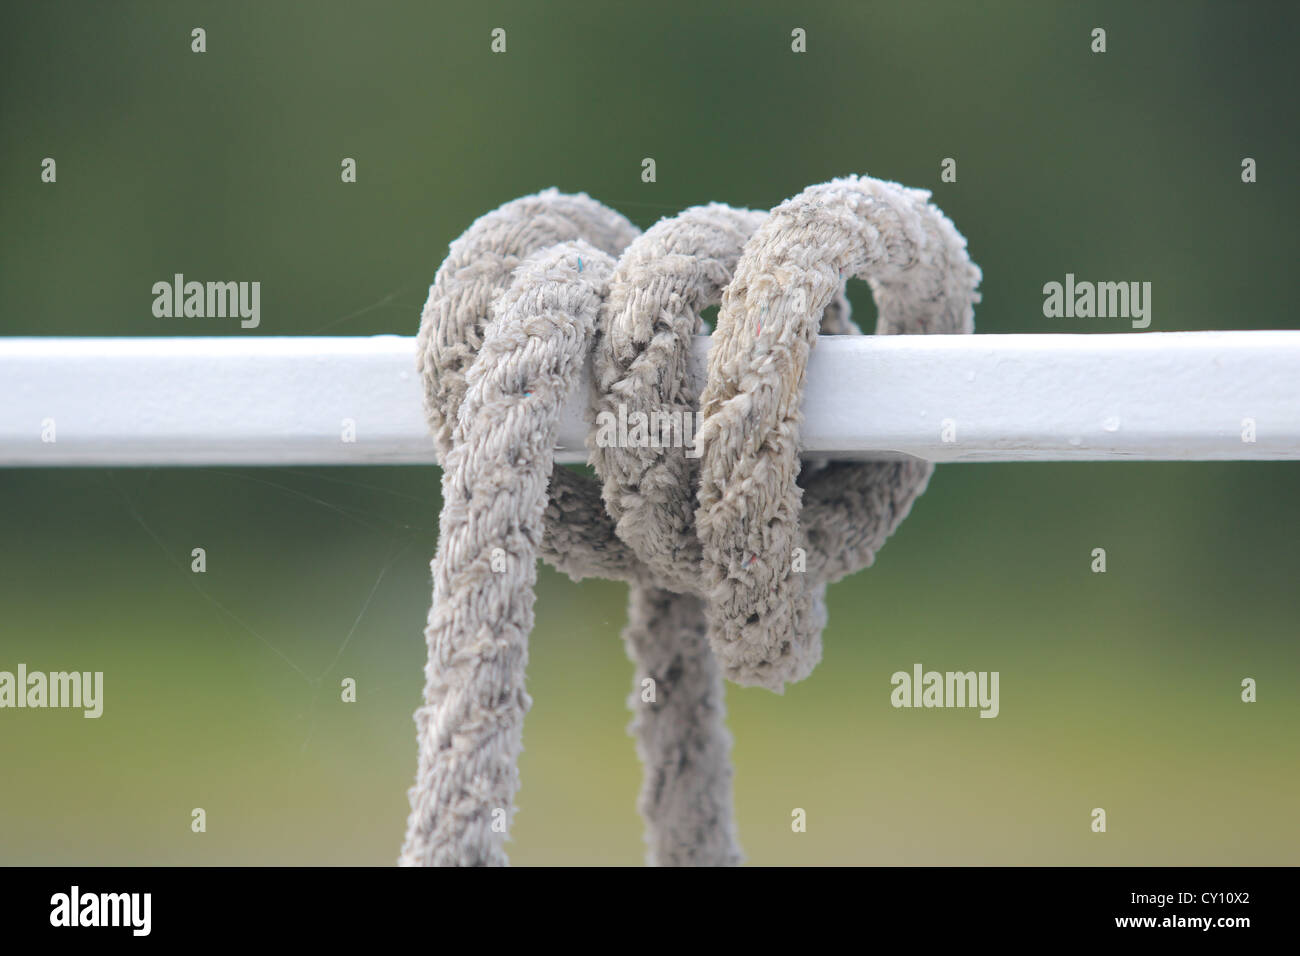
(727, 548)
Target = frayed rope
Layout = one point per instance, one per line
(728, 554)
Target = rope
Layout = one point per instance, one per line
(727, 554)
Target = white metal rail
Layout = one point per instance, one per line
(248, 400)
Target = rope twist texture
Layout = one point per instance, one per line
(728, 554)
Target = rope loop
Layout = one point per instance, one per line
(727, 546)
(765, 614)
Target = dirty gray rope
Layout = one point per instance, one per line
(728, 555)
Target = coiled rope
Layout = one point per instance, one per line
(728, 554)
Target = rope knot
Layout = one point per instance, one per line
(728, 545)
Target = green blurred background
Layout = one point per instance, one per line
(222, 690)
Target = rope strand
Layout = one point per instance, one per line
(727, 554)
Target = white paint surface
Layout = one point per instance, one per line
(250, 400)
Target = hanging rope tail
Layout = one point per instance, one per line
(726, 547)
